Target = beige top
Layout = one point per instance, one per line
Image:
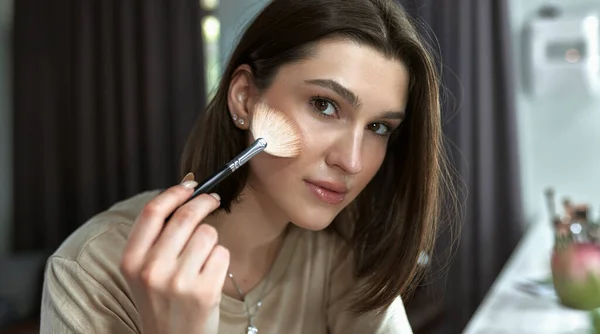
(84, 291)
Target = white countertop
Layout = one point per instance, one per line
(509, 310)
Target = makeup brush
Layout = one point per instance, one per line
(275, 134)
(551, 207)
(568, 207)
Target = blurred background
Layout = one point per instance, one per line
(97, 98)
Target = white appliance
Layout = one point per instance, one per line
(563, 53)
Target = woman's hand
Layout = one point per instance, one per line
(176, 271)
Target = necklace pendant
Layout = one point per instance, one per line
(252, 330)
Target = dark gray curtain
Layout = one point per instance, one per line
(473, 40)
(105, 93)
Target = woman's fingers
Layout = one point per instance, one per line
(196, 252)
(149, 224)
(215, 268)
(182, 225)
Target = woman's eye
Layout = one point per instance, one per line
(379, 129)
(324, 107)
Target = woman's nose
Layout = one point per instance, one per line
(346, 152)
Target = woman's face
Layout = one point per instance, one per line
(345, 99)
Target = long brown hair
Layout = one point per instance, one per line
(395, 218)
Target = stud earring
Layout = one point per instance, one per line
(235, 117)
(241, 121)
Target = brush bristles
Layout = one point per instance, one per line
(282, 135)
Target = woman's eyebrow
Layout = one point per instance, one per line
(351, 97)
(339, 89)
(393, 115)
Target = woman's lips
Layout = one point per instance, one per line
(325, 194)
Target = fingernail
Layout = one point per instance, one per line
(189, 184)
(188, 177)
(216, 196)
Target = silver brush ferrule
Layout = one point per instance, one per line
(258, 146)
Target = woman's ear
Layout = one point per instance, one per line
(241, 90)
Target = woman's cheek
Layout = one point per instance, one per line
(374, 152)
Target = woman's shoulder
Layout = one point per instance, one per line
(84, 270)
(104, 234)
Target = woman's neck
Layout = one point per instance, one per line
(252, 232)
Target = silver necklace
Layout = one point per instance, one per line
(251, 329)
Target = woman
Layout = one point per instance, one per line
(327, 242)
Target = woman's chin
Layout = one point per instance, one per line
(312, 226)
(313, 220)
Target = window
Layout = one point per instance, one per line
(211, 31)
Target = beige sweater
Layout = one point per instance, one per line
(307, 292)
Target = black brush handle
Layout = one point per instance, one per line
(206, 187)
(209, 184)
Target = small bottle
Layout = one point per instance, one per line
(580, 228)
